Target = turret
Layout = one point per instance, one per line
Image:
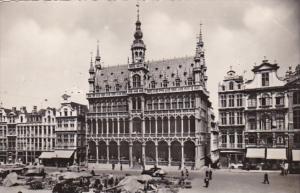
(92, 75)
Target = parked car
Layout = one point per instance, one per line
(155, 172)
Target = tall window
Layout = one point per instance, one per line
(231, 100)
(223, 119)
(265, 79)
(296, 118)
(279, 100)
(231, 85)
(231, 118)
(180, 103)
(239, 118)
(223, 100)
(149, 105)
(224, 138)
(252, 101)
(174, 103)
(265, 100)
(239, 100)
(280, 121)
(161, 103)
(186, 102)
(252, 121)
(296, 97)
(155, 104)
(136, 80)
(168, 105)
(265, 123)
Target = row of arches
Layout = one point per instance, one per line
(147, 152)
(153, 125)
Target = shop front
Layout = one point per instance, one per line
(275, 158)
(295, 163)
(255, 158)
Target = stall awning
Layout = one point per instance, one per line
(47, 155)
(63, 153)
(296, 155)
(276, 153)
(255, 153)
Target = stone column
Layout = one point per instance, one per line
(118, 122)
(169, 131)
(107, 127)
(119, 159)
(169, 152)
(235, 139)
(155, 126)
(156, 154)
(143, 154)
(274, 139)
(227, 139)
(97, 153)
(181, 126)
(189, 127)
(143, 126)
(107, 152)
(130, 154)
(182, 155)
(97, 127)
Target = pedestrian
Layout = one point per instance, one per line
(282, 168)
(93, 173)
(121, 167)
(206, 173)
(182, 173)
(286, 168)
(266, 178)
(210, 173)
(113, 166)
(187, 173)
(206, 181)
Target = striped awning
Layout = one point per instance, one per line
(276, 153)
(255, 153)
(296, 154)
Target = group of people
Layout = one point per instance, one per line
(284, 168)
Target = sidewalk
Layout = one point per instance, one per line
(248, 171)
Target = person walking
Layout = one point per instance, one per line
(266, 178)
(187, 173)
(210, 173)
(286, 168)
(206, 181)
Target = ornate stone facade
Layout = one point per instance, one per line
(149, 112)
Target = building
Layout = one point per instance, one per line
(70, 133)
(214, 139)
(231, 119)
(293, 90)
(256, 118)
(25, 135)
(3, 134)
(147, 113)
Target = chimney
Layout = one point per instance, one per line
(34, 110)
(23, 109)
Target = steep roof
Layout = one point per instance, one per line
(160, 70)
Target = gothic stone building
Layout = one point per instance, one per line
(149, 112)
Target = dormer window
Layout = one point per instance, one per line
(223, 88)
(239, 86)
(190, 81)
(230, 85)
(265, 79)
(177, 82)
(136, 80)
(165, 83)
(118, 87)
(106, 88)
(152, 84)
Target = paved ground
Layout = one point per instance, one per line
(245, 182)
(224, 181)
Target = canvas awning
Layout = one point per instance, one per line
(276, 153)
(255, 153)
(47, 155)
(63, 153)
(296, 155)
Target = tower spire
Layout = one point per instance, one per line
(98, 58)
(91, 64)
(138, 10)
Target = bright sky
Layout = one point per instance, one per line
(45, 46)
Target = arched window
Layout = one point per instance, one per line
(230, 85)
(190, 81)
(136, 80)
(152, 84)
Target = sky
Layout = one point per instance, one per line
(45, 46)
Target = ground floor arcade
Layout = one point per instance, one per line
(151, 152)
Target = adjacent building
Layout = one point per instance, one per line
(149, 113)
(70, 133)
(257, 116)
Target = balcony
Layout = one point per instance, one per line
(135, 90)
(105, 94)
(232, 146)
(178, 89)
